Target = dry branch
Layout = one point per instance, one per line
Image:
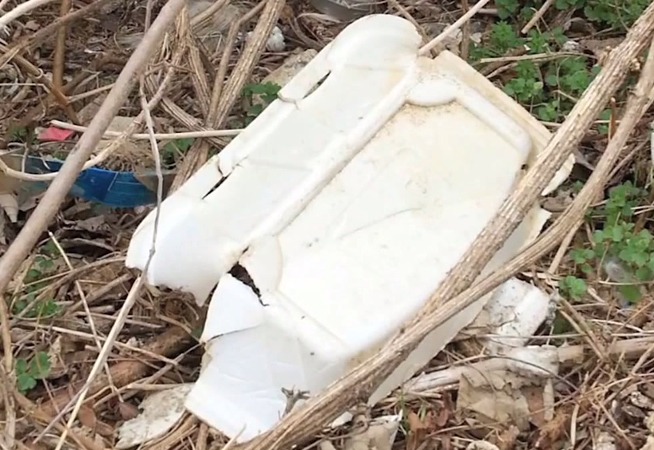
(359, 384)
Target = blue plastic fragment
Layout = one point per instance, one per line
(108, 187)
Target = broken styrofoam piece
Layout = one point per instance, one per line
(347, 205)
(512, 315)
(378, 434)
(482, 445)
(284, 157)
(161, 411)
(300, 141)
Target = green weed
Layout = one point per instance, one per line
(266, 92)
(615, 14)
(619, 243)
(174, 149)
(29, 372)
(41, 268)
(550, 88)
(573, 287)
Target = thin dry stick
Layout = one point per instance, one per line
(198, 70)
(452, 28)
(158, 136)
(60, 48)
(628, 348)
(358, 385)
(80, 291)
(404, 13)
(248, 58)
(465, 33)
(35, 412)
(38, 76)
(205, 16)
(9, 408)
(539, 14)
(563, 248)
(21, 9)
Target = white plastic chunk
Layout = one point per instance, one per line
(347, 205)
(512, 315)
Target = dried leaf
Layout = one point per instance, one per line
(87, 417)
(552, 431)
(127, 410)
(418, 430)
(507, 439)
(441, 418)
(540, 404)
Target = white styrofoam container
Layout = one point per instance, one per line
(347, 201)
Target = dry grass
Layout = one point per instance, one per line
(65, 297)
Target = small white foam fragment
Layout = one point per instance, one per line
(378, 434)
(481, 445)
(161, 411)
(514, 312)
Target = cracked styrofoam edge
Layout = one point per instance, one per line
(210, 174)
(189, 195)
(542, 215)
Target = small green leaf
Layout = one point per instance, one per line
(631, 293)
(50, 248)
(25, 383)
(506, 8)
(561, 325)
(574, 287)
(40, 366)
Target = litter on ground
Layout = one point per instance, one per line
(331, 218)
